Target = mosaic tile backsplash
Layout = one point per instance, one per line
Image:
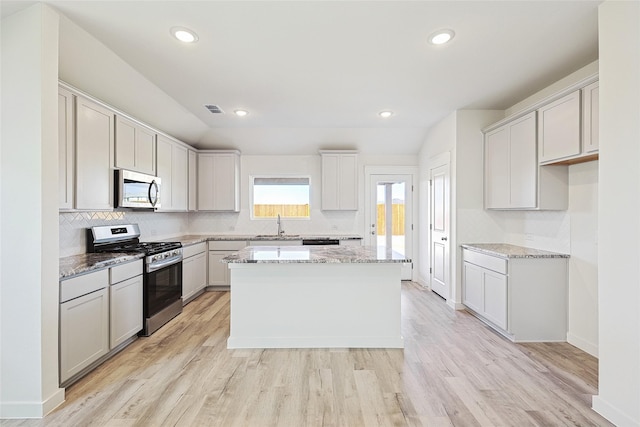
(153, 225)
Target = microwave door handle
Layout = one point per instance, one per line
(153, 200)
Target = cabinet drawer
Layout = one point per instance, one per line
(82, 285)
(126, 271)
(227, 245)
(499, 265)
(192, 250)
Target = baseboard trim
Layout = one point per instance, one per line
(582, 344)
(455, 305)
(31, 410)
(612, 413)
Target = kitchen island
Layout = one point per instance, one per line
(315, 297)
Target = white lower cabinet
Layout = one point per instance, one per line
(219, 276)
(126, 302)
(98, 312)
(522, 298)
(194, 271)
(84, 322)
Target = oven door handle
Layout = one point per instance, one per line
(162, 264)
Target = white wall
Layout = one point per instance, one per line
(28, 219)
(92, 67)
(441, 138)
(348, 222)
(583, 264)
(619, 204)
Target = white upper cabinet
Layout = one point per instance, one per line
(559, 128)
(219, 181)
(172, 168)
(66, 148)
(94, 155)
(135, 146)
(339, 180)
(513, 178)
(192, 198)
(590, 118)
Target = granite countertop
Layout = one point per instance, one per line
(192, 239)
(315, 255)
(85, 263)
(504, 250)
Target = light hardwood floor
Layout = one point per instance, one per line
(453, 371)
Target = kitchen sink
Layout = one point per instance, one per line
(276, 236)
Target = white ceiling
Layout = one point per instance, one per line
(314, 74)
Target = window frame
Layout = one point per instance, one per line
(252, 179)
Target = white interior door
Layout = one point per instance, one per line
(391, 219)
(440, 184)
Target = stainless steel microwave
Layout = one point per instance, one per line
(136, 190)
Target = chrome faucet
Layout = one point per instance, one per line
(280, 230)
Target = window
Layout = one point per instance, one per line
(284, 196)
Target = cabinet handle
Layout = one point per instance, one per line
(443, 238)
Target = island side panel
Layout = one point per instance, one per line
(291, 305)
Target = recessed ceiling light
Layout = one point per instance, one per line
(241, 113)
(185, 35)
(441, 36)
(385, 114)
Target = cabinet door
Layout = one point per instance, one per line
(497, 169)
(559, 128)
(179, 177)
(590, 118)
(134, 146)
(330, 168)
(145, 150)
(218, 271)
(194, 275)
(523, 166)
(339, 181)
(205, 179)
(472, 292)
(495, 298)
(219, 182)
(94, 156)
(348, 179)
(192, 202)
(65, 149)
(163, 169)
(126, 310)
(84, 332)
(225, 183)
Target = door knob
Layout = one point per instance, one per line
(443, 238)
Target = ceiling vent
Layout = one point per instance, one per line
(214, 109)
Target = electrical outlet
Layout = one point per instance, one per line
(528, 237)
(334, 227)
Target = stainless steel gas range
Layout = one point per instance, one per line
(162, 278)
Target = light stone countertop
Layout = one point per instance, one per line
(504, 250)
(315, 255)
(85, 263)
(192, 239)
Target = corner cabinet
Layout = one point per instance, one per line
(513, 178)
(135, 146)
(219, 276)
(94, 155)
(522, 298)
(339, 180)
(219, 181)
(172, 169)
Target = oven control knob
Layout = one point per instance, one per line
(157, 257)
(176, 252)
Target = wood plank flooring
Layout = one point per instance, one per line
(454, 371)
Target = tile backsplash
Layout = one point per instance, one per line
(153, 225)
